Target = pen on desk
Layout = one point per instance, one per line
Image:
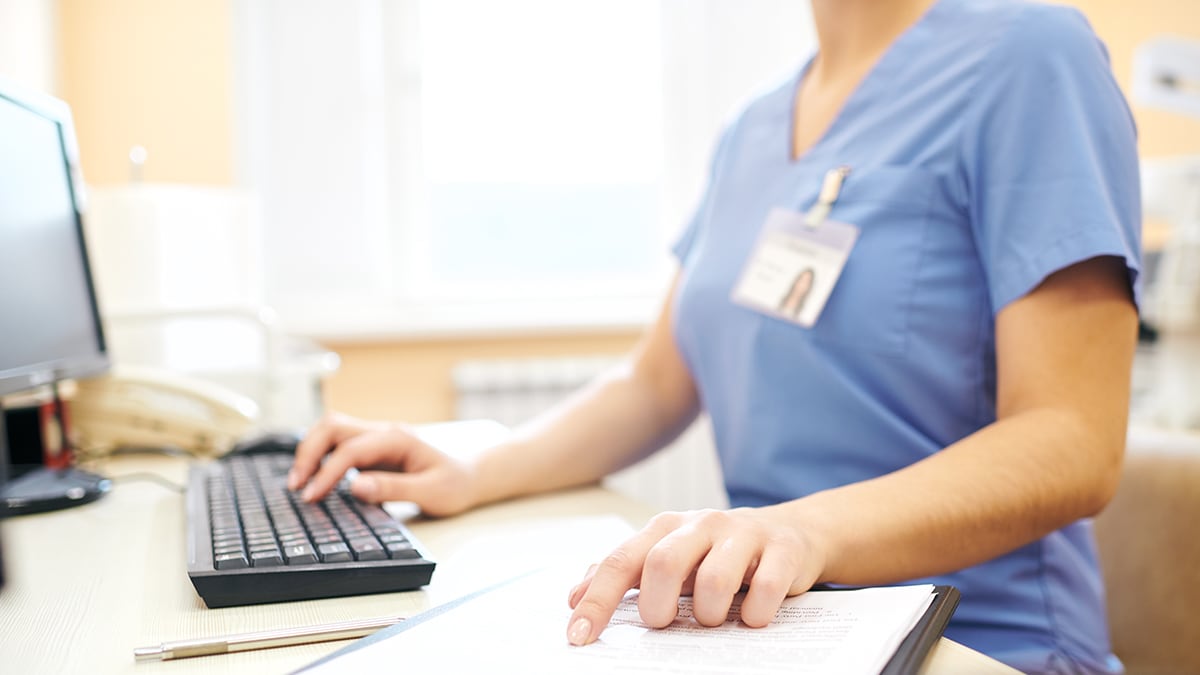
(241, 642)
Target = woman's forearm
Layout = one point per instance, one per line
(1064, 354)
(1001, 488)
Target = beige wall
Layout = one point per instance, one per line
(411, 381)
(158, 73)
(155, 73)
(1122, 24)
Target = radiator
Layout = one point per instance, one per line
(683, 475)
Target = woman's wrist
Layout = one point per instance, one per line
(489, 474)
(812, 519)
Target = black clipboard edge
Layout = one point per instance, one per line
(915, 648)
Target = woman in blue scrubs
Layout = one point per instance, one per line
(950, 409)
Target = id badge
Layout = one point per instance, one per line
(794, 267)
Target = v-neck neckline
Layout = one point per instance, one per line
(881, 64)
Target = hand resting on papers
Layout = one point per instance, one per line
(708, 554)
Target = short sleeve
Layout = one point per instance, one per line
(1050, 156)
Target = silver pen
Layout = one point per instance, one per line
(241, 642)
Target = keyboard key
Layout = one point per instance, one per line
(254, 540)
(231, 561)
(258, 527)
(377, 518)
(293, 539)
(357, 533)
(316, 521)
(226, 539)
(367, 548)
(227, 522)
(271, 558)
(233, 531)
(334, 553)
(300, 554)
(286, 529)
(401, 550)
(327, 537)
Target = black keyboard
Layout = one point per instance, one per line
(251, 541)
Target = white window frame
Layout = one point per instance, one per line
(716, 53)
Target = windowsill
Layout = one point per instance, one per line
(377, 322)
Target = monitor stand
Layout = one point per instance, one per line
(37, 488)
(41, 489)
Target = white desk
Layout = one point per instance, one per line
(88, 585)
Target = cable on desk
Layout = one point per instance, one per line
(85, 453)
(91, 458)
(148, 477)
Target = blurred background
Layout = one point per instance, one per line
(460, 208)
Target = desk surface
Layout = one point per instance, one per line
(88, 585)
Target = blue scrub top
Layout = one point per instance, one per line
(989, 147)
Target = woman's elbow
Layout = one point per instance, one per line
(1104, 475)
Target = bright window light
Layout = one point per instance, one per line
(440, 167)
(542, 143)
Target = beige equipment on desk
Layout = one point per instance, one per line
(135, 407)
(1151, 556)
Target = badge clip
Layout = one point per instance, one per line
(831, 187)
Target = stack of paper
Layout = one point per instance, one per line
(520, 627)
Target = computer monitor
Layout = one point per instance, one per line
(50, 326)
(3, 481)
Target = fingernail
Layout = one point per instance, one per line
(364, 487)
(580, 631)
(308, 494)
(293, 479)
(571, 595)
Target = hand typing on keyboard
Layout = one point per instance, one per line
(394, 465)
(251, 540)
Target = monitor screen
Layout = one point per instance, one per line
(3, 480)
(48, 315)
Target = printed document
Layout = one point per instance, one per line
(521, 626)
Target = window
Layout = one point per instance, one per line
(433, 166)
(542, 134)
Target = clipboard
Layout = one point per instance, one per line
(910, 655)
(924, 636)
(914, 649)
